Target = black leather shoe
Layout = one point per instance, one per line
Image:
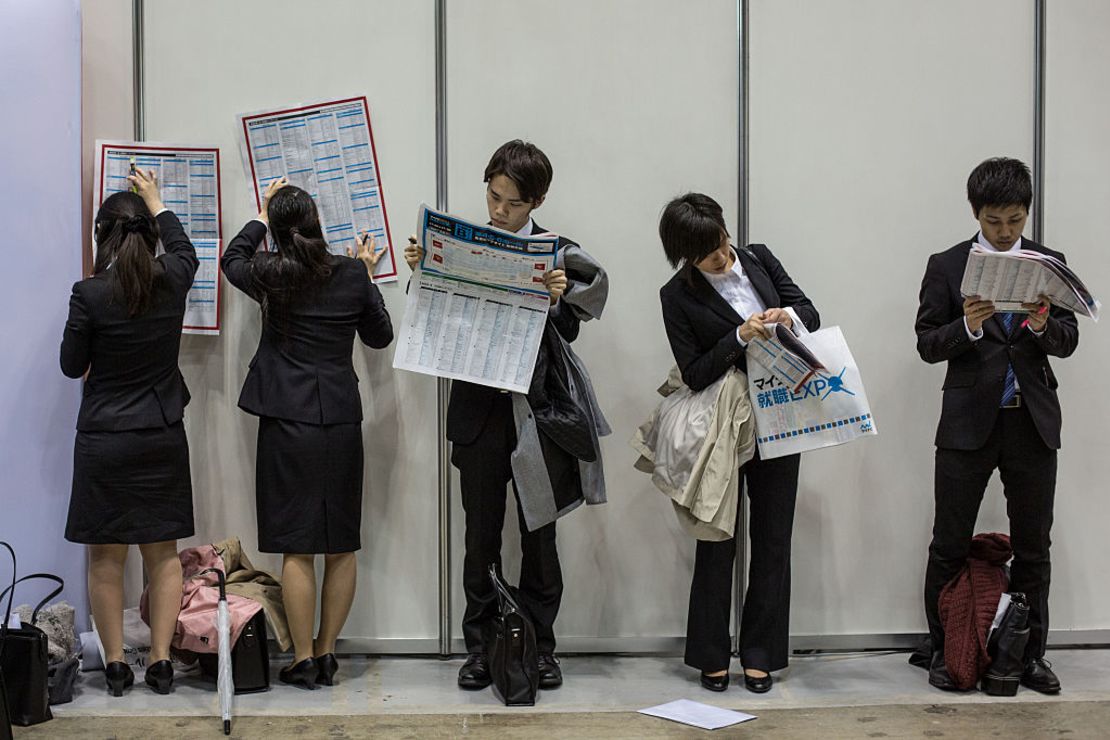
(714, 683)
(119, 676)
(159, 676)
(474, 673)
(758, 684)
(938, 674)
(551, 675)
(302, 674)
(1038, 676)
(326, 666)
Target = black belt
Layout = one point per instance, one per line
(1013, 403)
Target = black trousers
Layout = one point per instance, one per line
(1028, 470)
(484, 471)
(772, 488)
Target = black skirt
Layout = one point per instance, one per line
(308, 487)
(131, 487)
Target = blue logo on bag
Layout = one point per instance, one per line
(836, 384)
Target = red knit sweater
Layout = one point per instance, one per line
(967, 607)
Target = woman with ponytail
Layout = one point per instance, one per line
(131, 482)
(302, 386)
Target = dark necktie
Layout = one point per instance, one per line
(1009, 389)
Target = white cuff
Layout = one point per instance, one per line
(740, 339)
(973, 336)
(164, 209)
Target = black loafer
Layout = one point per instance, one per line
(474, 673)
(326, 666)
(159, 676)
(938, 674)
(551, 675)
(714, 683)
(302, 674)
(758, 684)
(1038, 676)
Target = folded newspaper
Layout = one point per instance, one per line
(785, 357)
(1009, 279)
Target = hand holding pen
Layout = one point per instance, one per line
(1038, 315)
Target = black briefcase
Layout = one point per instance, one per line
(250, 658)
(511, 645)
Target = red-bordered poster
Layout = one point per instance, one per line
(189, 180)
(327, 149)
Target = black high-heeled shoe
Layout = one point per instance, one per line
(159, 676)
(303, 673)
(327, 665)
(119, 676)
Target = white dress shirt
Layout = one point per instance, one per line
(737, 290)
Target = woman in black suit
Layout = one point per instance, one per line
(719, 300)
(131, 482)
(302, 386)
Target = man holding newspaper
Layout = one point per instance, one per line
(995, 308)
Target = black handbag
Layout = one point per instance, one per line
(5, 717)
(250, 658)
(511, 644)
(1006, 648)
(25, 657)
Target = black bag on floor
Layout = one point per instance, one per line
(511, 644)
(250, 658)
(25, 657)
(5, 718)
(1006, 648)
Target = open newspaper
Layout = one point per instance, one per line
(785, 357)
(477, 303)
(1009, 279)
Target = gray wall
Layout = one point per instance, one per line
(40, 157)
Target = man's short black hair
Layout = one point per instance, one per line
(1000, 182)
(524, 164)
(690, 228)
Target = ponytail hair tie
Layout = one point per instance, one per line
(134, 225)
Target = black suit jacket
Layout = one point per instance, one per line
(470, 403)
(701, 325)
(302, 370)
(977, 369)
(134, 381)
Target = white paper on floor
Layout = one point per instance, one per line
(697, 714)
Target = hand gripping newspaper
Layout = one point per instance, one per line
(477, 303)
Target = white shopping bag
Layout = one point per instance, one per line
(829, 409)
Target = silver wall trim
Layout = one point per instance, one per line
(443, 386)
(137, 81)
(742, 59)
(1039, 58)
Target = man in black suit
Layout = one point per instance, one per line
(482, 430)
(999, 411)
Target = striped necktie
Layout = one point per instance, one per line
(1009, 389)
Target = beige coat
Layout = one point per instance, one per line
(693, 446)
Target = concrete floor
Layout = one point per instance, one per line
(858, 695)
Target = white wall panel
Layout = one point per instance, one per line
(866, 118)
(1077, 190)
(634, 102)
(208, 61)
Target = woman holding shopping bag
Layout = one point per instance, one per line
(302, 386)
(720, 299)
